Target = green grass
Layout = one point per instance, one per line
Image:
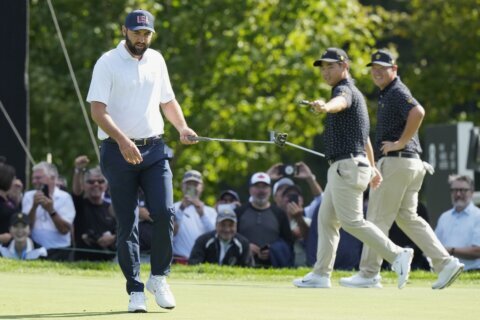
(46, 290)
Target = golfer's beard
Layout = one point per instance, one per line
(133, 49)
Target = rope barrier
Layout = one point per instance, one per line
(17, 134)
(74, 79)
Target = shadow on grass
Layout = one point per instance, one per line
(65, 315)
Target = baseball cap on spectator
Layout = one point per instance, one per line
(281, 182)
(292, 188)
(140, 19)
(225, 212)
(19, 218)
(230, 192)
(192, 175)
(383, 58)
(331, 55)
(260, 177)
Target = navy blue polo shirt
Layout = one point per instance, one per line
(394, 105)
(347, 131)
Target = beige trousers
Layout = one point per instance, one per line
(342, 206)
(396, 200)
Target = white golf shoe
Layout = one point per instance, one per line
(357, 281)
(448, 274)
(401, 266)
(312, 280)
(137, 302)
(157, 285)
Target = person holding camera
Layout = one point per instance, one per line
(292, 204)
(285, 173)
(51, 212)
(95, 225)
(192, 217)
(265, 225)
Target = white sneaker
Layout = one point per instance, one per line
(448, 274)
(137, 302)
(157, 285)
(401, 266)
(357, 281)
(312, 280)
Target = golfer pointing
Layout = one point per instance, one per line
(350, 155)
(129, 85)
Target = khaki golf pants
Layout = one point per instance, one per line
(342, 206)
(396, 200)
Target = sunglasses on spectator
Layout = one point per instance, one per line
(99, 181)
(461, 190)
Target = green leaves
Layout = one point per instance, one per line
(238, 68)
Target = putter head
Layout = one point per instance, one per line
(279, 138)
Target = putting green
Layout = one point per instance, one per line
(54, 296)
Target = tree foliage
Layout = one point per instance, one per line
(239, 68)
(445, 64)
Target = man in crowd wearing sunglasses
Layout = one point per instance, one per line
(94, 223)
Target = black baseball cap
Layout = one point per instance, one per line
(19, 218)
(383, 58)
(331, 55)
(140, 19)
(294, 188)
(230, 192)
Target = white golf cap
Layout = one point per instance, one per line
(260, 177)
(281, 182)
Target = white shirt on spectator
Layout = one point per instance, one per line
(44, 231)
(190, 227)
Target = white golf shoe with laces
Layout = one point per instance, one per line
(358, 281)
(312, 280)
(401, 266)
(448, 274)
(137, 302)
(158, 286)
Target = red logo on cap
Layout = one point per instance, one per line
(142, 19)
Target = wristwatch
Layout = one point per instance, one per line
(53, 214)
(80, 170)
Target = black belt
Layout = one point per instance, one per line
(403, 154)
(141, 142)
(346, 156)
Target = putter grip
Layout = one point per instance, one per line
(193, 138)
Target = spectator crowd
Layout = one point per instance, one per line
(274, 228)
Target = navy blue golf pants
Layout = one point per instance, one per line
(154, 176)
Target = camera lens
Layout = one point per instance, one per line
(289, 170)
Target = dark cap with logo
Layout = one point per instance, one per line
(331, 55)
(383, 58)
(140, 19)
(192, 175)
(230, 192)
(19, 218)
(225, 212)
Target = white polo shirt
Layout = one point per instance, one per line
(132, 89)
(44, 231)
